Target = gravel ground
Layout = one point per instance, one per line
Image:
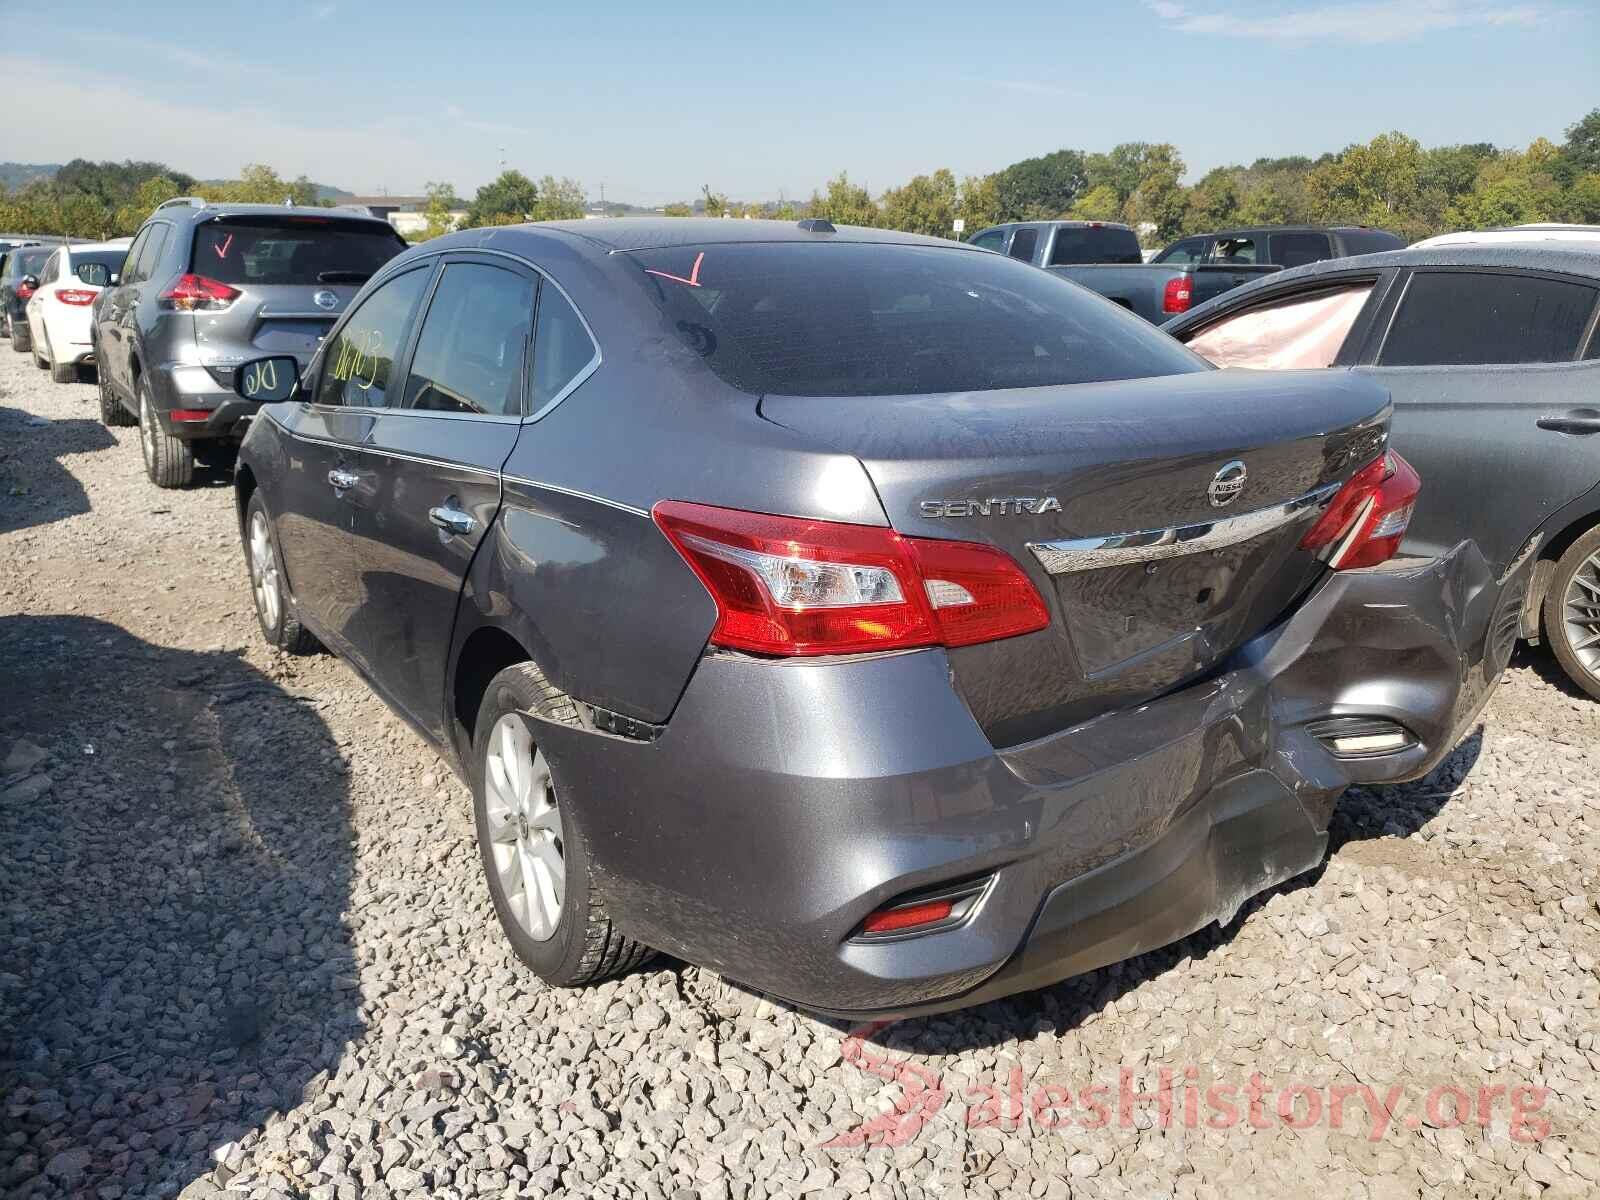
(245, 947)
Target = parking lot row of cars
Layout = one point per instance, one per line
(888, 623)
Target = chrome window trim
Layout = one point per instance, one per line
(573, 384)
(1150, 545)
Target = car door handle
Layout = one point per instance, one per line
(452, 520)
(1570, 424)
(342, 479)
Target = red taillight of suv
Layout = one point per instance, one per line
(1178, 295)
(196, 293)
(1368, 518)
(24, 291)
(75, 296)
(796, 587)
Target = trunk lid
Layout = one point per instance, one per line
(296, 274)
(1075, 464)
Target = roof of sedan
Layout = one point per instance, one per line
(622, 234)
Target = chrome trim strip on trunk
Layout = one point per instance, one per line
(1149, 545)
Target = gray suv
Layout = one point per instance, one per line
(207, 286)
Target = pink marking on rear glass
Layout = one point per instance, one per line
(694, 274)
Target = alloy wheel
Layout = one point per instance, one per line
(264, 572)
(524, 828)
(1581, 612)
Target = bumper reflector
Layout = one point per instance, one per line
(925, 912)
(190, 414)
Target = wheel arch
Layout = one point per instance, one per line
(1566, 528)
(485, 652)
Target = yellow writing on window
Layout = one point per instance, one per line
(358, 358)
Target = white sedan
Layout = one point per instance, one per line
(58, 311)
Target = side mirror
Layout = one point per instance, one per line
(268, 380)
(30, 281)
(115, 279)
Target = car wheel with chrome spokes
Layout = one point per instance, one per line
(279, 624)
(530, 839)
(1572, 612)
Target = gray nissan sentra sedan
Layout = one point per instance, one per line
(884, 623)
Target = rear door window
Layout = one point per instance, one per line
(991, 239)
(1024, 244)
(1465, 318)
(1074, 245)
(296, 250)
(1297, 249)
(863, 319)
(470, 351)
(1294, 334)
(358, 364)
(131, 259)
(1235, 250)
(150, 254)
(562, 347)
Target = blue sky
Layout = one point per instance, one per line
(763, 99)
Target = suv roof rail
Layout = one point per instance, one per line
(186, 201)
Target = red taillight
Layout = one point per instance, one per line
(908, 916)
(193, 293)
(24, 291)
(75, 296)
(1178, 294)
(1368, 518)
(794, 586)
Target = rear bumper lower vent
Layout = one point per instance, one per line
(1362, 737)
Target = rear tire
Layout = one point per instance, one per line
(169, 461)
(1572, 612)
(21, 337)
(274, 611)
(112, 411)
(580, 945)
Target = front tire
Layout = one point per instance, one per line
(279, 624)
(535, 856)
(1572, 612)
(168, 461)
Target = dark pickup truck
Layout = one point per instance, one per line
(1104, 257)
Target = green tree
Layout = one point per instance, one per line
(1123, 168)
(151, 194)
(678, 209)
(1214, 201)
(1379, 183)
(559, 200)
(715, 204)
(1580, 153)
(511, 195)
(979, 202)
(440, 211)
(845, 203)
(260, 184)
(928, 204)
(1582, 200)
(1040, 188)
(1097, 204)
(1159, 198)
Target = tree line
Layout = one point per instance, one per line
(1392, 181)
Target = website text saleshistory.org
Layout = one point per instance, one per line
(1176, 1096)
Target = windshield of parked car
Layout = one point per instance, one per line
(302, 250)
(861, 319)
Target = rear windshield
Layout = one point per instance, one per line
(111, 260)
(854, 319)
(1077, 246)
(305, 250)
(28, 261)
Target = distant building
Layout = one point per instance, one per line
(408, 214)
